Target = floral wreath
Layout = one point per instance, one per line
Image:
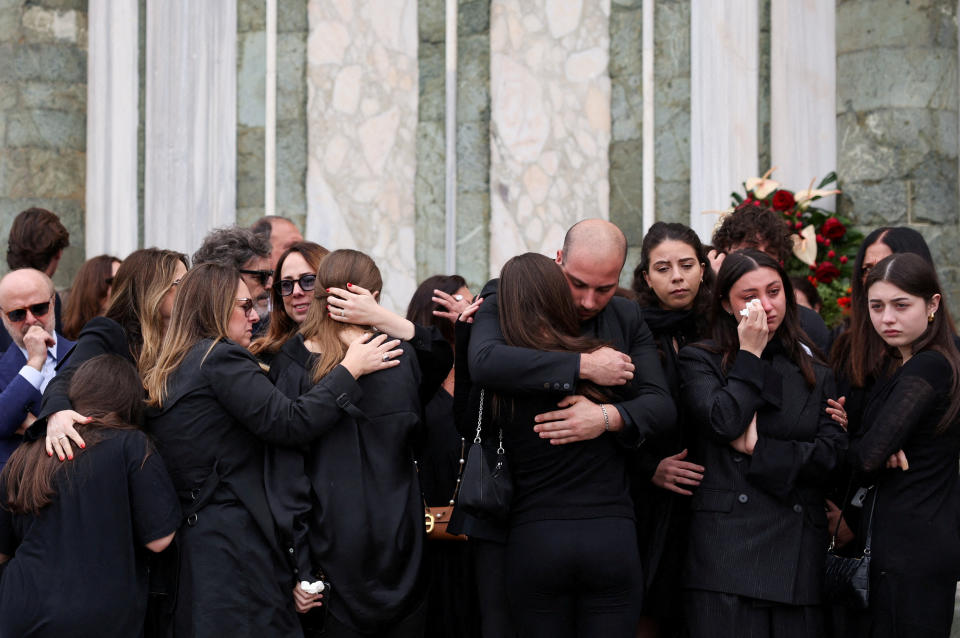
(824, 244)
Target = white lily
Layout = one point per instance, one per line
(761, 187)
(804, 197)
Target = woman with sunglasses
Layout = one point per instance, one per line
(294, 278)
(349, 506)
(211, 410)
(143, 292)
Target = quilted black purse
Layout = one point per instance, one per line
(847, 579)
(486, 488)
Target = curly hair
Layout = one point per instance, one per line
(751, 225)
(232, 246)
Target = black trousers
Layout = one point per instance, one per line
(575, 578)
(490, 559)
(410, 627)
(911, 605)
(717, 615)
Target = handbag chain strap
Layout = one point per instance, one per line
(476, 438)
(873, 504)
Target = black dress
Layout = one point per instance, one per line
(219, 411)
(916, 530)
(758, 534)
(349, 506)
(78, 567)
(663, 516)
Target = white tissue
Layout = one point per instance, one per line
(753, 303)
(315, 587)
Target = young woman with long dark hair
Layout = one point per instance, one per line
(89, 294)
(909, 447)
(758, 536)
(673, 282)
(293, 282)
(572, 563)
(211, 410)
(140, 305)
(349, 507)
(77, 534)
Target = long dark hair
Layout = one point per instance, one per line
(420, 310)
(282, 327)
(89, 289)
(723, 325)
(915, 276)
(537, 311)
(106, 388)
(855, 355)
(656, 235)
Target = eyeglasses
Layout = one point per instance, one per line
(285, 286)
(262, 276)
(108, 281)
(37, 310)
(246, 303)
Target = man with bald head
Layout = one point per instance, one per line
(593, 254)
(26, 308)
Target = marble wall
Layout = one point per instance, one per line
(550, 121)
(43, 101)
(361, 127)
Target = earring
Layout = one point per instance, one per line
(930, 318)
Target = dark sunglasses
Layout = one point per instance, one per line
(37, 310)
(262, 276)
(109, 281)
(246, 303)
(285, 286)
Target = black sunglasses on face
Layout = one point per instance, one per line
(246, 303)
(37, 310)
(285, 286)
(262, 276)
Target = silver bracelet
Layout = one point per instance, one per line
(606, 418)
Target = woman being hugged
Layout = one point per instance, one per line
(909, 447)
(349, 506)
(89, 294)
(293, 283)
(211, 409)
(673, 282)
(758, 534)
(78, 534)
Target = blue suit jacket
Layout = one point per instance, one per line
(17, 396)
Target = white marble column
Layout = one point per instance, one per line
(361, 122)
(803, 90)
(723, 105)
(191, 121)
(550, 122)
(112, 119)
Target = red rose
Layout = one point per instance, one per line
(843, 302)
(827, 272)
(833, 229)
(843, 259)
(831, 254)
(783, 200)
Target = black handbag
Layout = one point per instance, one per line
(486, 488)
(847, 579)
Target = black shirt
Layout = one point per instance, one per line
(78, 567)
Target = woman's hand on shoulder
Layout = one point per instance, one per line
(366, 355)
(60, 432)
(453, 306)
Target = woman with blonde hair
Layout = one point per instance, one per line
(211, 410)
(89, 295)
(293, 281)
(349, 506)
(142, 300)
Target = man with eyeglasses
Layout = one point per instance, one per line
(26, 308)
(249, 253)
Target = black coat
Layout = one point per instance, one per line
(758, 527)
(497, 366)
(219, 410)
(350, 504)
(916, 526)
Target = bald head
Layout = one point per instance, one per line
(26, 288)
(591, 259)
(598, 236)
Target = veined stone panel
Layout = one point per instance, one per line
(361, 120)
(550, 122)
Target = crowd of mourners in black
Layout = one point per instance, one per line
(247, 443)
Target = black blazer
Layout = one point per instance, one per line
(495, 365)
(758, 527)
